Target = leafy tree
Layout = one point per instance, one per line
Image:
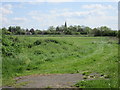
(11, 29)
(52, 30)
(32, 31)
(38, 32)
(88, 30)
(96, 32)
(104, 31)
(57, 29)
(5, 31)
(18, 30)
(63, 29)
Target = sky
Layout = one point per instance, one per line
(41, 15)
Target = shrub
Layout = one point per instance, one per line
(16, 39)
(106, 76)
(37, 42)
(29, 46)
(85, 77)
(32, 67)
(48, 59)
(86, 73)
(110, 42)
(50, 40)
(38, 52)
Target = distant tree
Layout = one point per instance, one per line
(32, 31)
(18, 30)
(22, 32)
(61, 29)
(80, 29)
(46, 32)
(88, 30)
(27, 30)
(84, 30)
(52, 30)
(105, 31)
(70, 30)
(14, 30)
(38, 32)
(96, 32)
(11, 29)
(57, 29)
(5, 31)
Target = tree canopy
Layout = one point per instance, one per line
(62, 30)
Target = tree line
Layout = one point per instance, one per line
(61, 30)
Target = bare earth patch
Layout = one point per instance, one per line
(50, 80)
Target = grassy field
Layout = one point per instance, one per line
(26, 55)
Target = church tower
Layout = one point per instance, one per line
(65, 24)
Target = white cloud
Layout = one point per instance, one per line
(98, 6)
(95, 15)
(98, 15)
(80, 13)
(94, 19)
(97, 21)
(70, 13)
(18, 19)
(6, 9)
(4, 20)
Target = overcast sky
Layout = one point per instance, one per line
(41, 15)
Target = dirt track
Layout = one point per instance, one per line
(50, 81)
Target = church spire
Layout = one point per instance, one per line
(65, 24)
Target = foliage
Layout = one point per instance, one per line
(25, 55)
(62, 30)
(97, 83)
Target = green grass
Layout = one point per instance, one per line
(18, 85)
(97, 84)
(43, 55)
